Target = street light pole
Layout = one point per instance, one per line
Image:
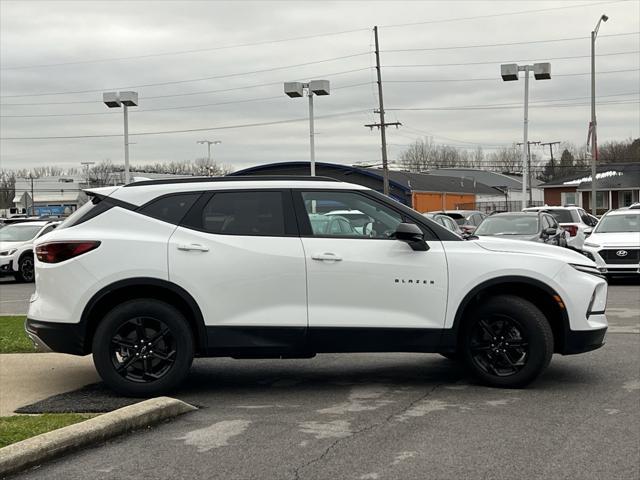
(593, 126)
(209, 143)
(312, 145)
(314, 87)
(525, 136)
(126, 100)
(509, 72)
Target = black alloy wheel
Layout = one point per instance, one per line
(26, 272)
(506, 341)
(143, 349)
(498, 346)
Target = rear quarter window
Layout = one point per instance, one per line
(170, 208)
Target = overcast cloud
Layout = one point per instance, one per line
(80, 34)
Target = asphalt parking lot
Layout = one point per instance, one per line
(375, 416)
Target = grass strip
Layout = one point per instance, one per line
(20, 427)
(13, 339)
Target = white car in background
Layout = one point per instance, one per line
(572, 219)
(615, 242)
(16, 248)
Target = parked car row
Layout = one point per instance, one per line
(613, 241)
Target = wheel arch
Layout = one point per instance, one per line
(142, 287)
(540, 294)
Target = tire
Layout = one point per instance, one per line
(26, 272)
(132, 368)
(507, 342)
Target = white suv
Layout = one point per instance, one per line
(149, 275)
(16, 248)
(615, 243)
(572, 219)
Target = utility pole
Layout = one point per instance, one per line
(553, 164)
(593, 124)
(528, 168)
(382, 126)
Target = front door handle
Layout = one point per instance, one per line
(326, 256)
(193, 247)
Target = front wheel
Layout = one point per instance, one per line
(26, 272)
(507, 342)
(143, 348)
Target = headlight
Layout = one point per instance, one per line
(594, 245)
(6, 253)
(587, 269)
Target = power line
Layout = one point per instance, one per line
(251, 100)
(202, 92)
(203, 129)
(497, 62)
(484, 45)
(496, 78)
(183, 52)
(304, 37)
(180, 107)
(503, 14)
(507, 107)
(191, 80)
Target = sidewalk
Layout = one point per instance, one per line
(28, 377)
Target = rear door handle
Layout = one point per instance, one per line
(193, 247)
(326, 256)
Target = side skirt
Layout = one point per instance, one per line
(300, 342)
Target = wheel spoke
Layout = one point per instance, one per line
(168, 357)
(121, 342)
(127, 363)
(158, 336)
(481, 347)
(139, 329)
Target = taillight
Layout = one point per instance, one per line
(572, 229)
(56, 252)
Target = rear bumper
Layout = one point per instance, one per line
(57, 337)
(580, 341)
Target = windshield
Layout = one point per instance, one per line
(19, 232)
(613, 224)
(509, 225)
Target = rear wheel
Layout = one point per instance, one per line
(507, 342)
(26, 272)
(143, 348)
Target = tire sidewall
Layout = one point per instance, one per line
(534, 327)
(110, 324)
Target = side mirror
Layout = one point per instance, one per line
(550, 231)
(588, 231)
(411, 234)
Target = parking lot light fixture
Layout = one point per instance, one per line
(314, 87)
(209, 143)
(510, 72)
(123, 99)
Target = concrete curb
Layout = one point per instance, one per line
(35, 450)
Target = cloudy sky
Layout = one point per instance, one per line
(217, 67)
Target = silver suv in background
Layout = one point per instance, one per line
(572, 219)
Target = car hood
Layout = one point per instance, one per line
(623, 239)
(528, 238)
(497, 244)
(9, 245)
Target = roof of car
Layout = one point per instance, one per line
(624, 211)
(513, 214)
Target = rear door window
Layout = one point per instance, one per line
(259, 213)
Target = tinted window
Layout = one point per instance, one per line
(242, 213)
(47, 230)
(380, 221)
(171, 208)
(562, 216)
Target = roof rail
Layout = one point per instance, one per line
(239, 178)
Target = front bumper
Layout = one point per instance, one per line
(607, 267)
(580, 341)
(56, 337)
(6, 266)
